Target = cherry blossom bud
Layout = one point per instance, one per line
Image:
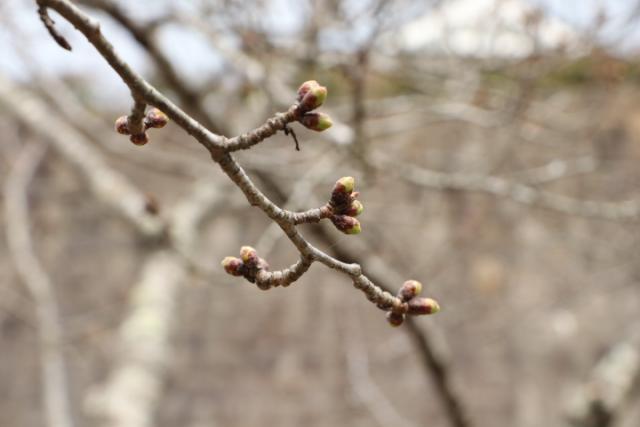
(155, 119)
(316, 121)
(313, 97)
(419, 306)
(344, 185)
(249, 256)
(355, 209)
(395, 319)
(139, 139)
(305, 87)
(122, 125)
(410, 289)
(346, 224)
(233, 266)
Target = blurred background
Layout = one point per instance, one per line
(496, 146)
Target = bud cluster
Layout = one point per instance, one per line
(344, 206)
(153, 119)
(311, 96)
(417, 305)
(247, 265)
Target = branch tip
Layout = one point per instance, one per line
(49, 24)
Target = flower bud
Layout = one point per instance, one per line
(410, 289)
(122, 125)
(316, 121)
(395, 319)
(419, 306)
(355, 209)
(344, 185)
(313, 98)
(155, 119)
(305, 87)
(139, 139)
(233, 266)
(249, 256)
(346, 224)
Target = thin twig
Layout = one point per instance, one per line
(521, 193)
(50, 26)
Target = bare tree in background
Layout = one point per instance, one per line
(474, 175)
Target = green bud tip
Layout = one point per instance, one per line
(305, 87)
(346, 224)
(421, 306)
(313, 98)
(139, 139)
(155, 119)
(355, 209)
(316, 121)
(395, 319)
(410, 289)
(248, 254)
(345, 184)
(355, 229)
(232, 265)
(122, 125)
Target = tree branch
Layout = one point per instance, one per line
(521, 193)
(310, 96)
(54, 375)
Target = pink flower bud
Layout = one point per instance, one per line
(249, 256)
(410, 289)
(122, 125)
(344, 185)
(316, 121)
(314, 96)
(395, 319)
(155, 119)
(306, 87)
(420, 306)
(355, 209)
(139, 139)
(346, 224)
(233, 266)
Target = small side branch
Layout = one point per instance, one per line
(521, 193)
(310, 216)
(268, 129)
(256, 269)
(268, 279)
(382, 299)
(49, 24)
(136, 83)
